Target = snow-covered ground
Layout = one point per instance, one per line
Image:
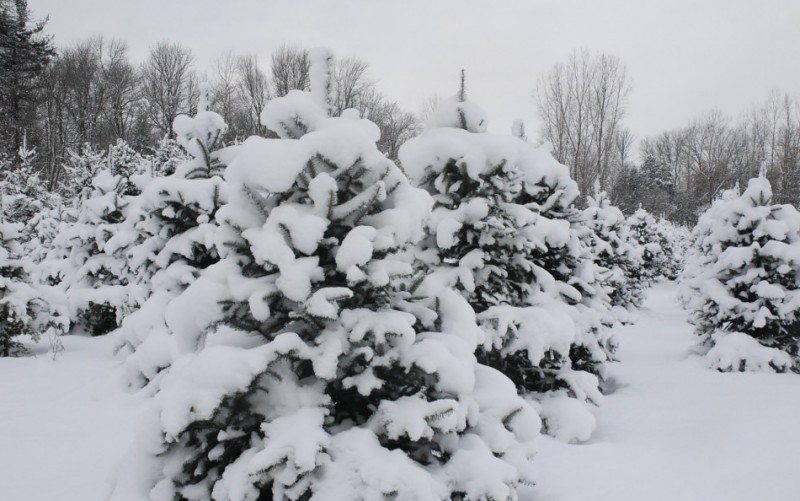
(675, 430)
(58, 439)
(672, 430)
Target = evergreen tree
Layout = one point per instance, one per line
(504, 234)
(658, 188)
(741, 281)
(22, 191)
(96, 282)
(316, 370)
(24, 53)
(166, 238)
(616, 252)
(658, 259)
(25, 309)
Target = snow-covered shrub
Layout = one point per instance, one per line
(658, 260)
(25, 308)
(742, 281)
(505, 235)
(94, 281)
(79, 171)
(166, 157)
(617, 253)
(43, 228)
(678, 239)
(310, 366)
(167, 238)
(23, 193)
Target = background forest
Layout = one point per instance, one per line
(59, 103)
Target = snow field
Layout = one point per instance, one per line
(674, 429)
(59, 439)
(671, 430)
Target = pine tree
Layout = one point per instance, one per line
(658, 259)
(95, 281)
(167, 237)
(316, 370)
(25, 309)
(616, 252)
(22, 192)
(501, 237)
(741, 281)
(24, 53)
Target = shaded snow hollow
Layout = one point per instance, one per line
(672, 430)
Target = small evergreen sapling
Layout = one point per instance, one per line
(616, 252)
(504, 234)
(96, 282)
(656, 249)
(25, 308)
(741, 281)
(167, 238)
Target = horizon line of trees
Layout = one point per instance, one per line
(582, 103)
(87, 94)
(62, 101)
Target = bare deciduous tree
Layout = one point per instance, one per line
(168, 84)
(290, 67)
(123, 101)
(352, 82)
(254, 89)
(581, 104)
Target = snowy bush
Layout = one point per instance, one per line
(617, 253)
(658, 258)
(742, 281)
(23, 193)
(311, 367)
(678, 239)
(94, 281)
(25, 308)
(505, 235)
(167, 238)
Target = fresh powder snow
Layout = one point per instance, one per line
(670, 429)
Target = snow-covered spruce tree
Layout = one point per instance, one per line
(75, 184)
(498, 236)
(167, 237)
(617, 253)
(656, 249)
(742, 281)
(167, 156)
(95, 282)
(312, 371)
(25, 309)
(23, 193)
(677, 239)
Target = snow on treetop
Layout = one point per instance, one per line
(274, 164)
(198, 134)
(321, 77)
(292, 115)
(481, 153)
(458, 114)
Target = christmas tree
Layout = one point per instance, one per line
(316, 369)
(741, 281)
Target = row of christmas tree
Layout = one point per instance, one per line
(316, 322)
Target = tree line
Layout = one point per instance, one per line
(582, 103)
(89, 94)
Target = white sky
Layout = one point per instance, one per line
(684, 56)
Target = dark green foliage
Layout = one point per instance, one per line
(24, 53)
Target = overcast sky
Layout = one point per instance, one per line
(684, 56)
